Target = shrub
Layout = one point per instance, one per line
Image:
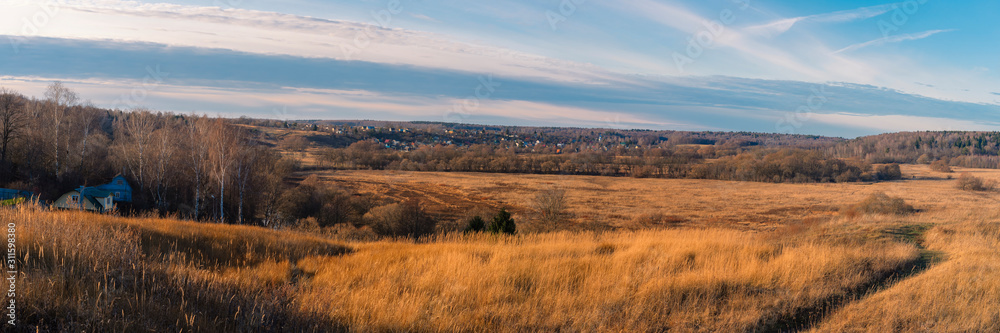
(941, 166)
(502, 223)
(658, 219)
(888, 172)
(967, 182)
(880, 203)
(550, 203)
(401, 220)
(476, 224)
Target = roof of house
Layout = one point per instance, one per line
(6, 194)
(115, 187)
(94, 192)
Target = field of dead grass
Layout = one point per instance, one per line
(601, 203)
(717, 271)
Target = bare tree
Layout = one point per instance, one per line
(550, 203)
(246, 164)
(222, 157)
(88, 121)
(198, 130)
(12, 120)
(163, 147)
(133, 144)
(59, 97)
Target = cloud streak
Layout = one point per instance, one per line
(892, 39)
(781, 26)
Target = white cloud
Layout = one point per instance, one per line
(892, 39)
(283, 34)
(310, 103)
(783, 25)
(424, 17)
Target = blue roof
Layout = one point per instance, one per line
(94, 192)
(7, 194)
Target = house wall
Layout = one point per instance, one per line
(64, 202)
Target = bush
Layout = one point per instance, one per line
(550, 203)
(475, 224)
(657, 219)
(401, 220)
(329, 205)
(967, 182)
(880, 203)
(941, 166)
(502, 223)
(888, 172)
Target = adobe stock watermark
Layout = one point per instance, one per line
(31, 26)
(363, 38)
(614, 121)
(230, 4)
(566, 9)
(154, 78)
(900, 16)
(706, 38)
(282, 113)
(10, 266)
(464, 109)
(792, 121)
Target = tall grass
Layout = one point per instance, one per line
(700, 280)
(958, 295)
(101, 273)
(87, 272)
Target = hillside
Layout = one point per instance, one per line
(825, 270)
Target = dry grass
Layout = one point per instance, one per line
(87, 272)
(601, 203)
(94, 272)
(958, 295)
(700, 280)
(805, 268)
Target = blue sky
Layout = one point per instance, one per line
(843, 68)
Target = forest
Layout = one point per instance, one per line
(197, 167)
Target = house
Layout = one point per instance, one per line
(10, 197)
(86, 198)
(101, 198)
(119, 188)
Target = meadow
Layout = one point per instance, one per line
(734, 257)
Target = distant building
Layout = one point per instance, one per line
(101, 198)
(86, 198)
(9, 197)
(119, 188)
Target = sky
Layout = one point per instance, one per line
(839, 68)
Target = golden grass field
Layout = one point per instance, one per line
(739, 257)
(596, 202)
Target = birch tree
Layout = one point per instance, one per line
(135, 135)
(222, 158)
(59, 98)
(196, 145)
(163, 146)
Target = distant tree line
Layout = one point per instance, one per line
(963, 149)
(699, 162)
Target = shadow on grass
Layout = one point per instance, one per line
(804, 319)
(209, 249)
